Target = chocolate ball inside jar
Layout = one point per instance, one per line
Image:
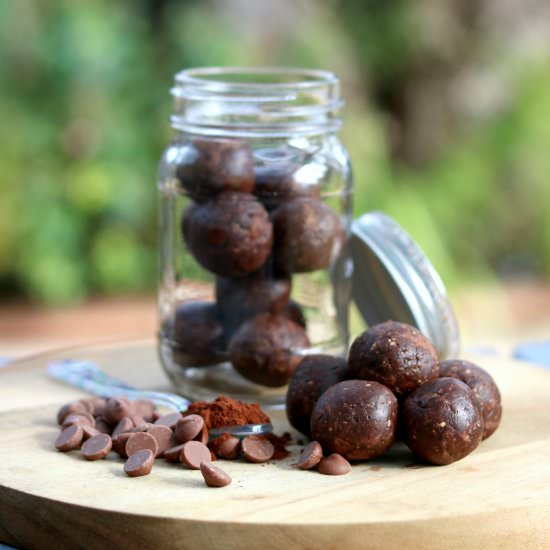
(355, 418)
(483, 386)
(442, 421)
(266, 349)
(313, 376)
(210, 166)
(198, 335)
(394, 354)
(278, 182)
(230, 235)
(241, 299)
(308, 235)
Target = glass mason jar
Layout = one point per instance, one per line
(255, 212)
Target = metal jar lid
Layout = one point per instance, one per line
(393, 279)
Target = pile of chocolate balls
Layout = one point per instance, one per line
(393, 387)
(252, 226)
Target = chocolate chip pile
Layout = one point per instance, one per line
(392, 386)
(138, 433)
(253, 221)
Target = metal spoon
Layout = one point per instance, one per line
(87, 376)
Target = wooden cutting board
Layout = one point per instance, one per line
(498, 497)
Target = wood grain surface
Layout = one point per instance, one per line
(498, 497)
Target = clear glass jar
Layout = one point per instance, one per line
(255, 212)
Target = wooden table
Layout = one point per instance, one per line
(498, 497)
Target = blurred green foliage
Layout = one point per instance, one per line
(84, 105)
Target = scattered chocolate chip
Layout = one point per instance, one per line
(256, 448)
(214, 476)
(334, 465)
(117, 409)
(70, 438)
(164, 436)
(169, 420)
(140, 463)
(88, 431)
(193, 453)
(202, 436)
(226, 446)
(119, 444)
(101, 425)
(96, 447)
(188, 427)
(141, 440)
(80, 419)
(310, 456)
(125, 425)
(145, 408)
(70, 408)
(88, 405)
(173, 454)
(98, 405)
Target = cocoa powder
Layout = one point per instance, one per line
(224, 411)
(279, 442)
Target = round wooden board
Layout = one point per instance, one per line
(498, 497)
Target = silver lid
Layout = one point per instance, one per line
(393, 279)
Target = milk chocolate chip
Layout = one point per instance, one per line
(139, 441)
(169, 420)
(214, 476)
(310, 456)
(256, 448)
(225, 446)
(70, 438)
(193, 453)
(334, 465)
(96, 447)
(140, 463)
(188, 427)
(164, 436)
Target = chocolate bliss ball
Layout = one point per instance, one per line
(394, 354)
(442, 421)
(313, 376)
(264, 349)
(355, 418)
(280, 182)
(483, 386)
(198, 335)
(211, 166)
(240, 299)
(230, 235)
(307, 235)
